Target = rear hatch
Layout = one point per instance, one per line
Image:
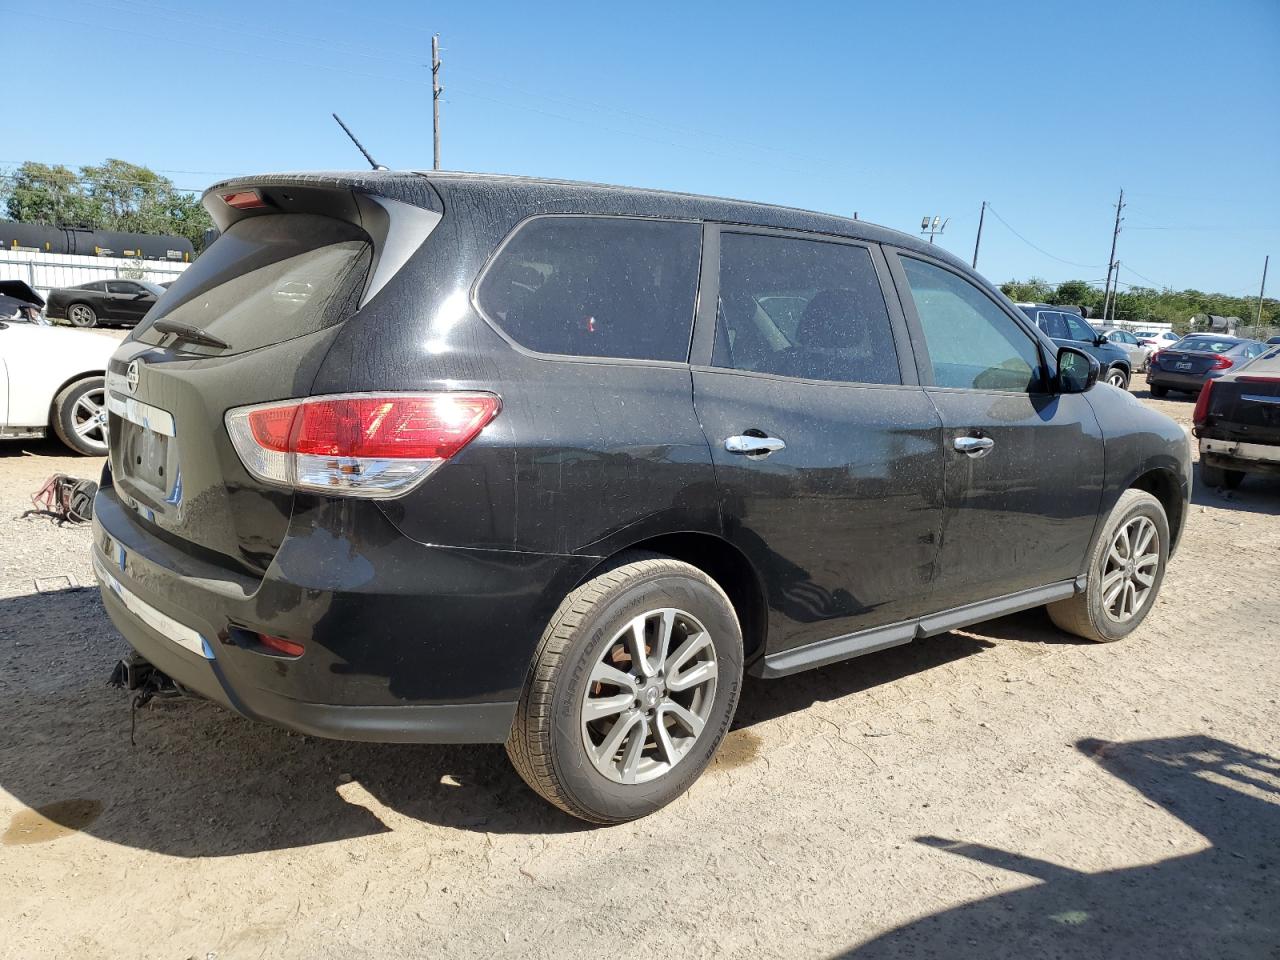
(249, 322)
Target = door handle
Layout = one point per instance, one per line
(754, 446)
(974, 447)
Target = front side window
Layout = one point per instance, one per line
(597, 287)
(120, 286)
(802, 308)
(972, 343)
(1079, 329)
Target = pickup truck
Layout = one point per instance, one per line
(1237, 420)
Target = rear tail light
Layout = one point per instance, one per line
(1220, 362)
(1154, 357)
(1201, 413)
(361, 445)
(1259, 379)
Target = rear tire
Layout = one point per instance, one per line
(1220, 477)
(82, 315)
(1158, 391)
(1123, 584)
(80, 416)
(563, 740)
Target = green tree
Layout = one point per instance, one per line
(1034, 290)
(114, 195)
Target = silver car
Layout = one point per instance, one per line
(1139, 352)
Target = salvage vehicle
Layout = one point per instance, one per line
(119, 302)
(1067, 328)
(53, 378)
(1237, 421)
(1196, 359)
(464, 458)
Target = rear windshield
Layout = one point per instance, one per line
(267, 279)
(596, 287)
(1205, 344)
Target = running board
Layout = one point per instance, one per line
(786, 662)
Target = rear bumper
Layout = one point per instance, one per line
(1191, 382)
(405, 643)
(1237, 455)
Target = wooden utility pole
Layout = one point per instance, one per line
(1111, 260)
(1262, 291)
(982, 215)
(436, 90)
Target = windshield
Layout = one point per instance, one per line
(266, 280)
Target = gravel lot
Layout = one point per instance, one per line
(1005, 791)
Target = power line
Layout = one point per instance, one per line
(1070, 263)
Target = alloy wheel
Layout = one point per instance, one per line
(1129, 568)
(1116, 378)
(80, 315)
(89, 417)
(649, 696)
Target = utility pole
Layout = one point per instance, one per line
(1263, 289)
(436, 90)
(1111, 260)
(982, 215)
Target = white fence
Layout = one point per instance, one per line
(45, 271)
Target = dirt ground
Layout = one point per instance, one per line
(1005, 791)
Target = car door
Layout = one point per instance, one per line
(1024, 466)
(826, 449)
(127, 300)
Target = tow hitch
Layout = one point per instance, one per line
(134, 672)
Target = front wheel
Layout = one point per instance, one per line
(1117, 377)
(632, 688)
(1126, 569)
(1159, 391)
(80, 416)
(82, 315)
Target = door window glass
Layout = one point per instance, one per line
(597, 287)
(120, 286)
(1054, 324)
(1079, 329)
(972, 343)
(802, 308)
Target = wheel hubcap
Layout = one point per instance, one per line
(89, 418)
(650, 696)
(79, 315)
(1116, 379)
(1129, 569)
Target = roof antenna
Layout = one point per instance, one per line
(359, 146)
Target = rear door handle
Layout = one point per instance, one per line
(974, 447)
(754, 446)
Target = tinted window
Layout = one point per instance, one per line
(1079, 329)
(120, 286)
(98, 286)
(268, 279)
(972, 342)
(1054, 324)
(597, 287)
(802, 308)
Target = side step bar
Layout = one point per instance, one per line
(819, 654)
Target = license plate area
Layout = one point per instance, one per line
(1185, 365)
(145, 456)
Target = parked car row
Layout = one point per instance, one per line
(1196, 359)
(1067, 327)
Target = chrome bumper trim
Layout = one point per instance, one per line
(1261, 452)
(143, 414)
(163, 624)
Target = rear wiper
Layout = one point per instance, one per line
(190, 334)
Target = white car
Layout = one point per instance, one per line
(1158, 341)
(54, 377)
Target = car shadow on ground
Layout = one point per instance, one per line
(1257, 493)
(1217, 902)
(197, 780)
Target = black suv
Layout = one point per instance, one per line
(460, 458)
(1067, 328)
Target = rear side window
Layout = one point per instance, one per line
(268, 279)
(802, 308)
(596, 287)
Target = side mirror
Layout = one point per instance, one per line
(1077, 371)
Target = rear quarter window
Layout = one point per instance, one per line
(596, 287)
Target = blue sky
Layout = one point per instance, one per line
(894, 110)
